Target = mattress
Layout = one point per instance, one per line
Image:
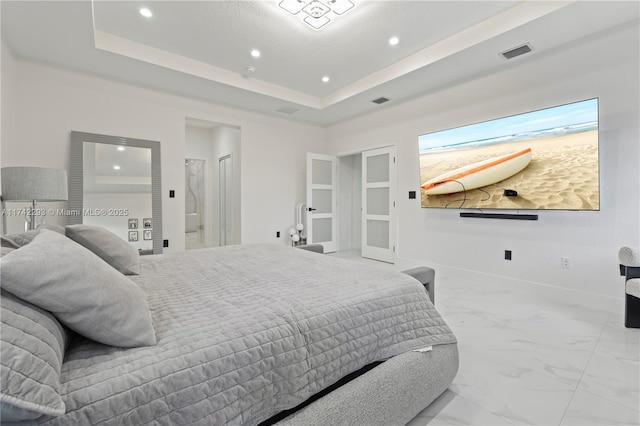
(243, 333)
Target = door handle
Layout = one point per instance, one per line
(311, 209)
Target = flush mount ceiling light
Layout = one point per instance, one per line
(317, 13)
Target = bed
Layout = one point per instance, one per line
(240, 335)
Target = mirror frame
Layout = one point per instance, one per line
(76, 178)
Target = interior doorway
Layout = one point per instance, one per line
(225, 199)
(366, 203)
(213, 219)
(350, 203)
(195, 206)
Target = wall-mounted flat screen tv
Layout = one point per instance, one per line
(545, 159)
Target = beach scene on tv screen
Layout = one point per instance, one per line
(545, 159)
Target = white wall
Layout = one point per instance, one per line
(7, 93)
(49, 103)
(590, 68)
(7, 98)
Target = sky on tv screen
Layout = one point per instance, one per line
(563, 119)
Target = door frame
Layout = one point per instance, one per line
(226, 199)
(394, 243)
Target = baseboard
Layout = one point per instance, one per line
(586, 298)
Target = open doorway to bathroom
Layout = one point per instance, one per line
(212, 184)
(195, 206)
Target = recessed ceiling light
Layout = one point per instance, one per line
(121, 148)
(116, 167)
(146, 12)
(255, 53)
(394, 40)
(325, 79)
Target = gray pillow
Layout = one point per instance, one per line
(51, 227)
(18, 240)
(111, 248)
(5, 250)
(31, 353)
(82, 291)
(23, 238)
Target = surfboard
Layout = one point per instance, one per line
(478, 174)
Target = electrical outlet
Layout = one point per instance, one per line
(507, 255)
(565, 263)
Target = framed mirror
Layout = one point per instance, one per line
(115, 183)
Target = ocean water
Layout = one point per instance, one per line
(517, 137)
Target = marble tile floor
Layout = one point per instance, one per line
(195, 240)
(533, 355)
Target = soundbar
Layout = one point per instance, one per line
(500, 216)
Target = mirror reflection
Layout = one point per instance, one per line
(115, 183)
(117, 179)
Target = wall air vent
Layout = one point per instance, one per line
(287, 110)
(517, 51)
(380, 100)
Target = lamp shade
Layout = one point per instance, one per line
(34, 183)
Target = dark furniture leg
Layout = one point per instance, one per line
(632, 303)
(632, 312)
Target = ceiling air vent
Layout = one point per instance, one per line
(517, 51)
(380, 100)
(287, 110)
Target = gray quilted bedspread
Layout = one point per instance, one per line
(243, 333)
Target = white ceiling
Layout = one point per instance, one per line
(201, 49)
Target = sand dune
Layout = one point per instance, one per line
(563, 174)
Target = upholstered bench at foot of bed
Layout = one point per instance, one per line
(427, 276)
(392, 393)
